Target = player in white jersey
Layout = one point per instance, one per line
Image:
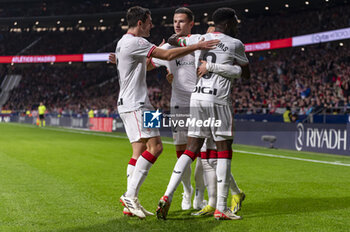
(183, 69)
(183, 82)
(132, 52)
(211, 110)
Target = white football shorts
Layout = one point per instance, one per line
(211, 120)
(133, 123)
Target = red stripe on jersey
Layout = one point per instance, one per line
(132, 162)
(225, 154)
(149, 157)
(151, 50)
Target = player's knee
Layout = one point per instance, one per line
(157, 149)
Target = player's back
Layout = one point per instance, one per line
(131, 53)
(213, 87)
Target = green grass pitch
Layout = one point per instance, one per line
(55, 179)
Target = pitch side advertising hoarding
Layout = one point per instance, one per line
(323, 138)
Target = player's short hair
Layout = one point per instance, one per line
(224, 14)
(135, 14)
(185, 10)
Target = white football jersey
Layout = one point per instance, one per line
(131, 54)
(185, 77)
(213, 87)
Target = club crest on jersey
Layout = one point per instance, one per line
(152, 119)
(142, 42)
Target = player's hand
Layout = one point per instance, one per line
(206, 45)
(202, 69)
(211, 29)
(169, 76)
(162, 43)
(112, 58)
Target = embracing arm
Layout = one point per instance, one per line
(225, 70)
(174, 53)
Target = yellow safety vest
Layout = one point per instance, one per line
(286, 117)
(41, 109)
(91, 114)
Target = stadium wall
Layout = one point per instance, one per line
(323, 138)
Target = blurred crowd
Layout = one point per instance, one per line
(252, 29)
(315, 79)
(77, 88)
(309, 79)
(68, 42)
(50, 8)
(287, 24)
(62, 87)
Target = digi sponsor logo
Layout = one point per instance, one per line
(205, 90)
(152, 119)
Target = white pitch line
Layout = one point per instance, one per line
(78, 131)
(240, 151)
(294, 158)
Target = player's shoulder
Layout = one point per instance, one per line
(130, 39)
(193, 36)
(230, 38)
(125, 39)
(234, 42)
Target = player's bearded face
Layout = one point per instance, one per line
(146, 27)
(182, 25)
